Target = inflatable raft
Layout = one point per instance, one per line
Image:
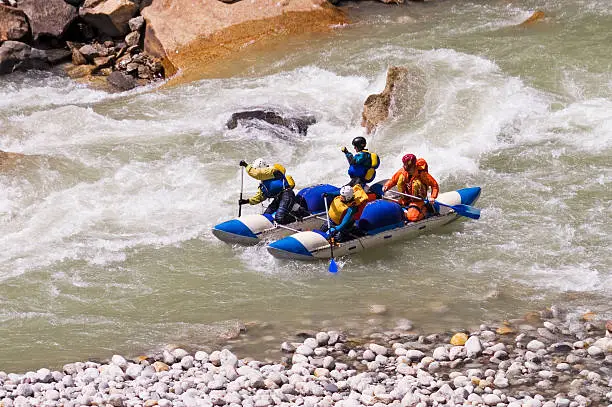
(252, 229)
(382, 221)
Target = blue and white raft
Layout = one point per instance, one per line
(252, 229)
(383, 222)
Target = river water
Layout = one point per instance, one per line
(105, 231)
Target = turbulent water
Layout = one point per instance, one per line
(105, 229)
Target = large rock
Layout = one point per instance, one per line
(376, 107)
(13, 24)
(112, 17)
(48, 17)
(210, 29)
(17, 56)
(295, 124)
(404, 95)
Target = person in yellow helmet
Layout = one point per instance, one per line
(275, 185)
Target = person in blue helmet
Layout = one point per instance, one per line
(362, 165)
(275, 185)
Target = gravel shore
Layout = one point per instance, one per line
(548, 360)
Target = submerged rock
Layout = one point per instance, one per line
(295, 124)
(536, 16)
(8, 160)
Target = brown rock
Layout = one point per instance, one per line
(80, 71)
(537, 16)
(588, 316)
(504, 330)
(160, 367)
(103, 62)
(13, 24)
(9, 160)
(532, 317)
(111, 17)
(376, 107)
(77, 57)
(211, 30)
(48, 17)
(132, 39)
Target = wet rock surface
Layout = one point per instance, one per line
(250, 117)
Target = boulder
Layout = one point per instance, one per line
(14, 24)
(295, 124)
(49, 17)
(211, 30)
(17, 56)
(376, 107)
(112, 17)
(121, 81)
(404, 94)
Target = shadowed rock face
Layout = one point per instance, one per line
(17, 56)
(110, 16)
(295, 124)
(49, 18)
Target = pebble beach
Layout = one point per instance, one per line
(548, 359)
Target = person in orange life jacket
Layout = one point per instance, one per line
(344, 210)
(362, 165)
(274, 185)
(411, 181)
(429, 182)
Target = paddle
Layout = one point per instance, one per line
(461, 209)
(241, 186)
(333, 267)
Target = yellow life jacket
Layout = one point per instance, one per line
(338, 207)
(371, 172)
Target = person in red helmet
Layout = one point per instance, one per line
(411, 181)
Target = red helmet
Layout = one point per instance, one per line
(409, 159)
(422, 165)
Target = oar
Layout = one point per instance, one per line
(241, 186)
(333, 267)
(461, 209)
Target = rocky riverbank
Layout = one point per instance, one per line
(550, 359)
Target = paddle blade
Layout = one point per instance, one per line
(333, 267)
(467, 211)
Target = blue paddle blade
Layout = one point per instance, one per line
(467, 211)
(333, 267)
